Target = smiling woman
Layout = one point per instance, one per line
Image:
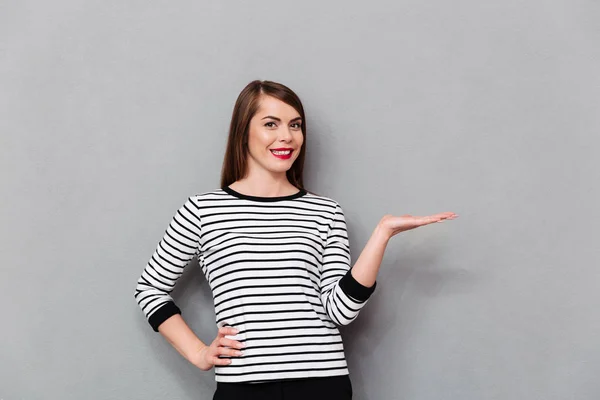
(276, 258)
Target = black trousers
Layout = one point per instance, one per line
(326, 388)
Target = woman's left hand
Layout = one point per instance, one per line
(391, 224)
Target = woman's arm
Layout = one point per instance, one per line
(367, 265)
(204, 356)
(177, 332)
(342, 296)
(163, 270)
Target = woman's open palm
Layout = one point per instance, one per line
(396, 224)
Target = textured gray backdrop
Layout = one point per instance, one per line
(114, 112)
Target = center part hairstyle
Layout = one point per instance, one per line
(235, 162)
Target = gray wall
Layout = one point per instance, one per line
(113, 112)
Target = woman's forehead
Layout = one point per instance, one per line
(271, 106)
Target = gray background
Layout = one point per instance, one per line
(114, 112)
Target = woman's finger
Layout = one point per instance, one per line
(220, 361)
(229, 352)
(230, 343)
(227, 331)
(426, 220)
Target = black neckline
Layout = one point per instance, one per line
(232, 192)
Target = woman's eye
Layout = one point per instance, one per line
(270, 124)
(296, 125)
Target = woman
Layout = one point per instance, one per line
(276, 258)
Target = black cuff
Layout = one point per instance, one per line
(165, 312)
(355, 289)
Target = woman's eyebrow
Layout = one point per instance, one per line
(278, 119)
(272, 117)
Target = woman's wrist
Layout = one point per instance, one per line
(381, 233)
(197, 357)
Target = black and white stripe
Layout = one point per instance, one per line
(279, 271)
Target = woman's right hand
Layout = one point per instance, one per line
(209, 355)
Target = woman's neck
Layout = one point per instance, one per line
(254, 187)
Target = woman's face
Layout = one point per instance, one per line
(274, 136)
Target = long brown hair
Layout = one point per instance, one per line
(235, 162)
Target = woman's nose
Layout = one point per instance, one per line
(285, 134)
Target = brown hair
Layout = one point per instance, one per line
(235, 162)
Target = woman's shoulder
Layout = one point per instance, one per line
(210, 193)
(207, 196)
(322, 199)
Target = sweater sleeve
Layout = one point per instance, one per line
(173, 253)
(342, 296)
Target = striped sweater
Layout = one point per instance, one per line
(279, 272)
